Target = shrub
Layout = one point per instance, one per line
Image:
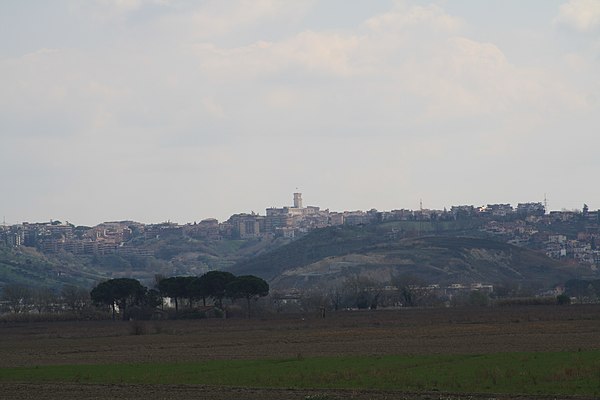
(563, 299)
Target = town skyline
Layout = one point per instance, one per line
(526, 225)
(293, 203)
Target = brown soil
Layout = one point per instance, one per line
(73, 391)
(408, 331)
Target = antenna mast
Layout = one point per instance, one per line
(420, 217)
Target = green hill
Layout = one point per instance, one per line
(328, 256)
(169, 256)
(439, 252)
(342, 240)
(26, 266)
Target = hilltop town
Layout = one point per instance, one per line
(568, 235)
(561, 235)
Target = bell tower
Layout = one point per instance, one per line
(297, 200)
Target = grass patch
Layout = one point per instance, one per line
(525, 373)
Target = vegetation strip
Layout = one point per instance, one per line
(525, 373)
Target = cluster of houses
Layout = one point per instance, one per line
(561, 234)
(116, 237)
(56, 236)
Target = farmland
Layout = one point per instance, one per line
(345, 350)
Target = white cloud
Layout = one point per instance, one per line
(215, 19)
(226, 95)
(403, 17)
(581, 15)
(320, 52)
(309, 53)
(391, 71)
(106, 11)
(390, 62)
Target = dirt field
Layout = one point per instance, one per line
(420, 331)
(174, 392)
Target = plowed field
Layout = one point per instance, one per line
(408, 331)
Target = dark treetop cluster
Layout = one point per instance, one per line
(125, 293)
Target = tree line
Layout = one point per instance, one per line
(130, 299)
(18, 298)
(123, 294)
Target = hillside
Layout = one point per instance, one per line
(343, 240)
(170, 256)
(440, 252)
(28, 267)
(179, 256)
(328, 256)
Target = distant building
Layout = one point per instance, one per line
(297, 200)
(460, 212)
(205, 229)
(525, 209)
(497, 210)
(246, 226)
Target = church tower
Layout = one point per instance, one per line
(297, 200)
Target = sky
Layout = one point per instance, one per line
(180, 110)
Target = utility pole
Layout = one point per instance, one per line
(421, 217)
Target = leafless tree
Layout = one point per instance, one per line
(17, 297)
(43, 299)
(75, 298)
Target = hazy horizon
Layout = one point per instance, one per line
(156, 110)
(262, 212)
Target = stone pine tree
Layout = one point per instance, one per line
(120, 292)
(175, 287)
(198, 289)
(248, 287)
(215, 284)
(193, 288)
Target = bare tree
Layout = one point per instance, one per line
(360, 292)
(43, 299)
(409, 288)
(336, 297)
(18, 297)
(314, 301)
(75, 298)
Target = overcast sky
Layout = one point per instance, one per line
(157, 110)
